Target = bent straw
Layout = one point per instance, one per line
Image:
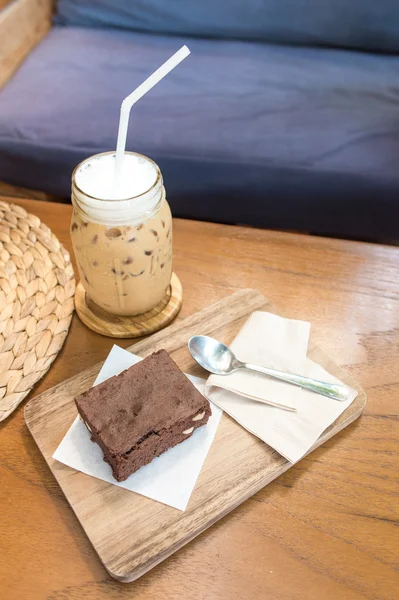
(133, 98)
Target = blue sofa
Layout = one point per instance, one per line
(286, 114)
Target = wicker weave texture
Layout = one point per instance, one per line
(37, 286)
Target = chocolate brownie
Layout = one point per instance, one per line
(142, 412)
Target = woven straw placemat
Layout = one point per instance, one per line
(37, 285)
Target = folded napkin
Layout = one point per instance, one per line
(170, 478)
(269, 341)
(291, 432)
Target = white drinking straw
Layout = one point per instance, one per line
(132, 99)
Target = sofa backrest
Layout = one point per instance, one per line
(360, 24)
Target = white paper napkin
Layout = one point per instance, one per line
(170, 478)
(291, 433)
(269, 341)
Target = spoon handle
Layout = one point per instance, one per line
(331, 390)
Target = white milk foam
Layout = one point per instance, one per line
(96, 177)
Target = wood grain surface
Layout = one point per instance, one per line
(14, 191)
(327, 528)
(137, 533)
(23, 23)
(130, 327)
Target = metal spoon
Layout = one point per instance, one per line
(221, 360)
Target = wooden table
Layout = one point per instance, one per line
(325, 529)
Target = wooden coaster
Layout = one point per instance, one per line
(37, 285)
(130, 327)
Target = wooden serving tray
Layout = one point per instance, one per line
(131, 533)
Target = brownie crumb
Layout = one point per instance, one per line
(94, 239)
(132, 240)
(95, 263)
(163, 224)
(162, 265)
(85, 224)
(154, 233)
(74, 226)
(128, 260)
(148, 252)
(168, 233)
(140, 227)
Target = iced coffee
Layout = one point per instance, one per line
(122, 238)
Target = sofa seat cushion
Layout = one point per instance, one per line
(243, 132)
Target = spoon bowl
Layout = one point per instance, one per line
(212, 355)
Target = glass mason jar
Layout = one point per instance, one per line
(123, 248)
